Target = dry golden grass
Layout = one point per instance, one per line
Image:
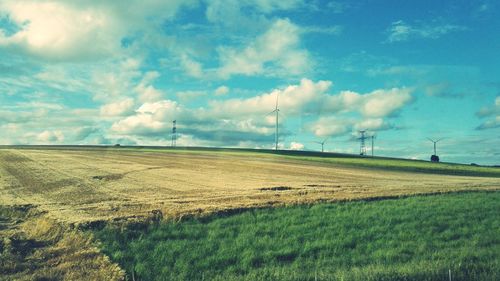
(35, 247)
(85, 186)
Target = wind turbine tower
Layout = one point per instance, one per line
(362, 139)
(276, 110)
(373, 138)
(322, 144)
(174, 133)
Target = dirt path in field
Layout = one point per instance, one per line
(80, 186)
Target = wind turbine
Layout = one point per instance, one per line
(373, 136)
(276, 110)
(322, 144)
(435, 141)
(434, 157)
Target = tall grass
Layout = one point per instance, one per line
(416, 238)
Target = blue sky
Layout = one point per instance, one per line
(105, 72)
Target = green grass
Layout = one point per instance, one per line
(416, 238)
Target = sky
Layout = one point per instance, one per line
(106, 72)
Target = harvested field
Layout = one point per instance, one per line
(85, 186)
(49, 194)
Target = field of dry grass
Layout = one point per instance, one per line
(88, 185)
(46, 195)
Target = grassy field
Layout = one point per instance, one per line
(88, 185)
(416, 238)
(68, 189)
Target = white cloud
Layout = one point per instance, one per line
(490, 124)
(293, 99)
(222, 91)
(331, 126)
(381, 103)
(296, 146)
(494, 112)
(189, 96)
(335, 126)
(146, 91)
(372, 124)
(401, 31)
(57, 31)
(274, 52)
(113, 81)
(192, 67)
(234, 121)
(119, 108)
(150, 117)
(50, 136)
(79, 30)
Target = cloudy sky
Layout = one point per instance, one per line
(106, 72)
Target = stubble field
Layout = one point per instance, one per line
(89, 185)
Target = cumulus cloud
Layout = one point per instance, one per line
(490, 111)
(296, 146)
(119, 108)
(379, 103)
(331, 126)
(247, 120)
(149, 118)
(50, 136)
(83, 133)
(77, 30)
(400, 31)
(293, 99)
(222, 91)
(109, 85)
(276, 51)
(147, 92)
(372, 124)
(192, 67)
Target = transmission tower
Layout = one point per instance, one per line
(174, 133)
(362, 139)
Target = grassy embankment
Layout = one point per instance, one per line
(416, 238)
(36, 247)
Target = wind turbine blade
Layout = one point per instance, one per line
(430, 139)
(271, 112)
(277, 97)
